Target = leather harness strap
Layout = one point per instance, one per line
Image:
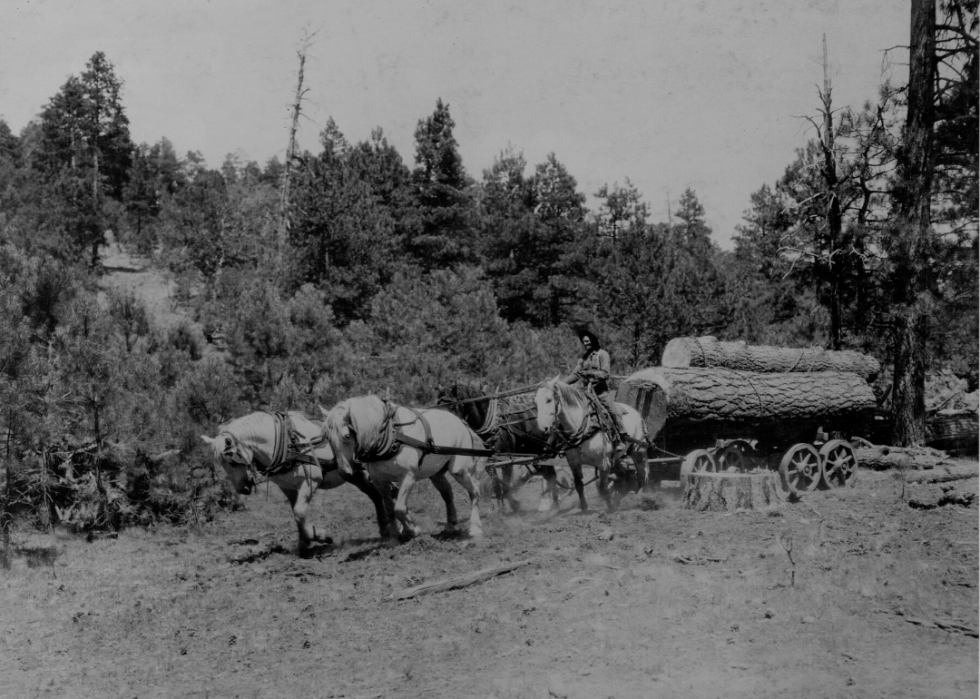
(289, 449)
(428, 447)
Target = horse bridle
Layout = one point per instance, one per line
(568, 440)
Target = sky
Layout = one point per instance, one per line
(671, 95)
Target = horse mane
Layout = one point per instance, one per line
(245, 429)
(335, 419)
(368, 417)
(217, 450)
(570, 395)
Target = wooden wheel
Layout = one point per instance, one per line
(734, 457)
(697, 461)
(800, 469)
(839, 463)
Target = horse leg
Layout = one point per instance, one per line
(637, 454)
(395, 529)
(466, 478)
(409, 528)
(549, 498)
(576, 468)
(384, 507)
(508, 488)
(299, 499)
(602, 472)
(441, 484)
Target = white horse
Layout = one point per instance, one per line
(291, 451)
(566, 409)
(402, 445)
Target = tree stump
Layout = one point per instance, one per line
(727, 492)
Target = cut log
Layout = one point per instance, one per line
(694, 406)
(881, 458)
(708, 352)
(956, 432)
(727, 492)
(945, 474)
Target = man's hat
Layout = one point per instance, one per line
(584, 332)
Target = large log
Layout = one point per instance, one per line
(693, 406)
(727, 492)
(708, 352)
(880, 457)
(956, 432)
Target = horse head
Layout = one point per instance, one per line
(236, 459)
(469, 403)
(340, 433)
(547, 405)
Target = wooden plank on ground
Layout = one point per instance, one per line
(456, 582)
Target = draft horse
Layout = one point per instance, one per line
(289, 450)
(400, 445)
(507, 424)
(568, 411)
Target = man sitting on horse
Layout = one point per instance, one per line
(593, 370)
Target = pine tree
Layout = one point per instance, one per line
(84, 152)
(444, 235)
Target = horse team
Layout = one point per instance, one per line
(385, 449)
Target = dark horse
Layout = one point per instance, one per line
(507, 425)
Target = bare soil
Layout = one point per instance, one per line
(847, 593)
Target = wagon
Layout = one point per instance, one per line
(709, 419)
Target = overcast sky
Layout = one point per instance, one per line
(701, 94)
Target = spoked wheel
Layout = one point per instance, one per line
(697, 461)
(839, 463)
(734, 457)
(800, 469)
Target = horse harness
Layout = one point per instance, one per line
(598, 420)
(290, 448)
(394, 438)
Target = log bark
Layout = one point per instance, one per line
(728, 492)
(708, 352)
(698, 405)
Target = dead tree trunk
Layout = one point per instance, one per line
(834, 219)
(709, 352)
(290, 154)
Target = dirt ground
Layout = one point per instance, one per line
(873, 599)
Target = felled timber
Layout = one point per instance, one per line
(694, 406)
(879, 457)
(954, 431)
(728, 492)
(708, 352)
(945, 473)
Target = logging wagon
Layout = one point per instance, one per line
(715, 407)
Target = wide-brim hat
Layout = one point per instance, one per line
(585, 332)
